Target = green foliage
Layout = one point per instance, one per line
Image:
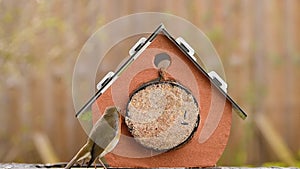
(100, 21)
(296, 58)
(206, 17)
(280, 164)
(276, 59)
(298, 164)
(216, 34)
(8, 17)
(54, 23)
(238, 158)
(275, 164)
(86, 116)
(249, 95)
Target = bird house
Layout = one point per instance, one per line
(175, 113)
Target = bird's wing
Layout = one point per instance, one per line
(103, 133)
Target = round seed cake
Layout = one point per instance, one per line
(162, 115)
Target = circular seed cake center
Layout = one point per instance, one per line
(162, 115)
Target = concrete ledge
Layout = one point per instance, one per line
(61, 165)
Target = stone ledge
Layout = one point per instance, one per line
(61, 165)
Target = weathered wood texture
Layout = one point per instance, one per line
(20, 165)
(258, 42)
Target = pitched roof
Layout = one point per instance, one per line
(138, 49)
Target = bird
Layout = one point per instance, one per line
(102, 139)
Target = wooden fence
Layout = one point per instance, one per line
(258, 42)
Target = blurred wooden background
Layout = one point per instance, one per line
(257, 40)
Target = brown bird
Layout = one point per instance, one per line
(103, 138)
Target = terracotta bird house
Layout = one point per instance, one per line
(175, 113)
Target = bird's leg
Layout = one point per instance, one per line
(95, 165)
(102, 163)
(82, 163)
